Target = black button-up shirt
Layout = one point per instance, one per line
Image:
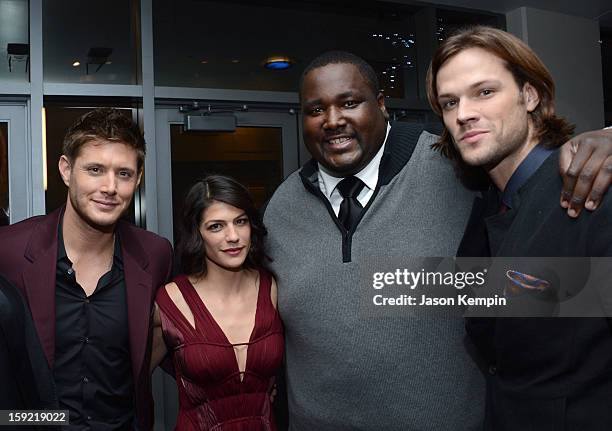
(92, 367)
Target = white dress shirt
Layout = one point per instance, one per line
(369, 175)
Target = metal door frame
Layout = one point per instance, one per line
(20, 164)
(167, 116)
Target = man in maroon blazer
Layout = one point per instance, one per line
(90, 278)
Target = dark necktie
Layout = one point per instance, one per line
(350, 208)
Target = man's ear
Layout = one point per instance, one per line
(139, 177)
(531, 97)
(65, 168)
(380, 99)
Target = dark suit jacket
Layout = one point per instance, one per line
(27, 382)
(28, 258)
(544, 373)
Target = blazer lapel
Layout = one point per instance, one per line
(139, 290)
(39, 280)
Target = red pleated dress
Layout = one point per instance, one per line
(211, 394)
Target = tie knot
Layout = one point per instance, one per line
(350, 187)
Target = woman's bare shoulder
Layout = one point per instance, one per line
(175, 294)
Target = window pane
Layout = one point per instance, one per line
(4, 180)
(91, 41)
(215, 44)
(14, 41)
(450, 21)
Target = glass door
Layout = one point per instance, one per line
(260, 153)
(15, 165)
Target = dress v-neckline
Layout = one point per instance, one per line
(196, 328)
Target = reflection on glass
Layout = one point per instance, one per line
(4, 179)
(252, 155)
(91, 41)
(59, 119)
(14, 41)
(218, 44)
(450, 20)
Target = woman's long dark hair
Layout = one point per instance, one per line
(203, 194)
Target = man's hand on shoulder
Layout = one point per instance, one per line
(585, 163)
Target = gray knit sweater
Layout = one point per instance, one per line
(348, 368)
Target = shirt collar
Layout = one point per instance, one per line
(524, 171)
(369, 174)
(61, 248)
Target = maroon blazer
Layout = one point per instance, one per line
(28, 258)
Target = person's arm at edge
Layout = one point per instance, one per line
(585, 163)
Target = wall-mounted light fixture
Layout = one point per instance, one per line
(18, 52)
(278, 63)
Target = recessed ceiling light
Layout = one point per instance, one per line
(278, 63)
(76, 64)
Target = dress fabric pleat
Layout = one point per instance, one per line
(212, 395)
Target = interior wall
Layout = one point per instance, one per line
(569, 46)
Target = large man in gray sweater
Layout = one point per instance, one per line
(347, 366)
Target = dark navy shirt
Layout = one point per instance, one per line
(525, 169)
(475, 241)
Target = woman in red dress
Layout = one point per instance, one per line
(219, 321)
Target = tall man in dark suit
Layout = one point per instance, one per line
(90, 278)
(496, 99)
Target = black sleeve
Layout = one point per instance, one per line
(22, 360)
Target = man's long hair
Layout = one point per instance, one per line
(521, 62)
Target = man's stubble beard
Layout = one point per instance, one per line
(107, 228)
(508, 144)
